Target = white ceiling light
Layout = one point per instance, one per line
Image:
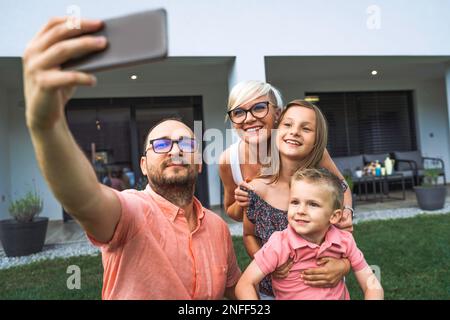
(374, 72)
(133, 77)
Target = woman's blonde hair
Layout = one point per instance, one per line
(313, 159)
(246, 91)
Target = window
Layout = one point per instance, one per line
(115, 128)
(368, 122)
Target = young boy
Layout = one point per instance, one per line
(315, 205)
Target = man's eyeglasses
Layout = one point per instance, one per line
(258, 110)
(164, 145)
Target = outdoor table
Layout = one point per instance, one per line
(380, 186)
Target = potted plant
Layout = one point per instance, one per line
(25, 233)
(430, 195)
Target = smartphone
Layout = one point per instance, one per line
(133, 39)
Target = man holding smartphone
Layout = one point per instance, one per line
(159, 243)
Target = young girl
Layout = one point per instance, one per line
(254, 108)
(301, 139)
(315, 205)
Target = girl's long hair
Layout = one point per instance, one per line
(312, 160)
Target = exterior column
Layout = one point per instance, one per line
(245, 67)
(447, 89)
(4, 155)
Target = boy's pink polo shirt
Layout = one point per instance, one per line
(153, 255)
(287, 243)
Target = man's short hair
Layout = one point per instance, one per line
(325, 177)
(157, 124)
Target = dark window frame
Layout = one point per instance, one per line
(353, 116)
(135, 103)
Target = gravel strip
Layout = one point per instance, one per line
(86, 248)
(50, 252)
(397, 213)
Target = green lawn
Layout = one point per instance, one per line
(413, 254)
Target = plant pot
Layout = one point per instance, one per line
(431, 198)
(23, 238)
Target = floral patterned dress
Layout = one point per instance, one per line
(267, 220)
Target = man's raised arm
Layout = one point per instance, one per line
(47, 90)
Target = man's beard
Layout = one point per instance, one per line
(178, 188)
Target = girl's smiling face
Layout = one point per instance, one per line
(296, 133)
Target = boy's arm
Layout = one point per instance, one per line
(369, 284)
(247, 284)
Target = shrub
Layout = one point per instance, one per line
(27, 207)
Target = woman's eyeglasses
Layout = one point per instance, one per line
(258, 110)
(164, 145)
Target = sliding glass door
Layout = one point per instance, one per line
(111, 132)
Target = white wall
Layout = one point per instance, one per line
(24, 171)
(4, 155)
(431, 113)
(447, 87)
(264, 27)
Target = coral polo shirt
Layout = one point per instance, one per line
(153, 254)
(286, 244)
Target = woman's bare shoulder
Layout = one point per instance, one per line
(260, 185)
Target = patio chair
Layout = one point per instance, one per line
(380, 157)
(349, 164)
(413, 163)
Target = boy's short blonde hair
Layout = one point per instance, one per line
(246, 91)
(326, 178)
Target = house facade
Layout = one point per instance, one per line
(352, 49)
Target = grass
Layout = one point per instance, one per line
(413, 255)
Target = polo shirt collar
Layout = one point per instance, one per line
(333, 236)
(171, 210)
(297, 241)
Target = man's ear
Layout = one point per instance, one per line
(336, 216)
(144, 165)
